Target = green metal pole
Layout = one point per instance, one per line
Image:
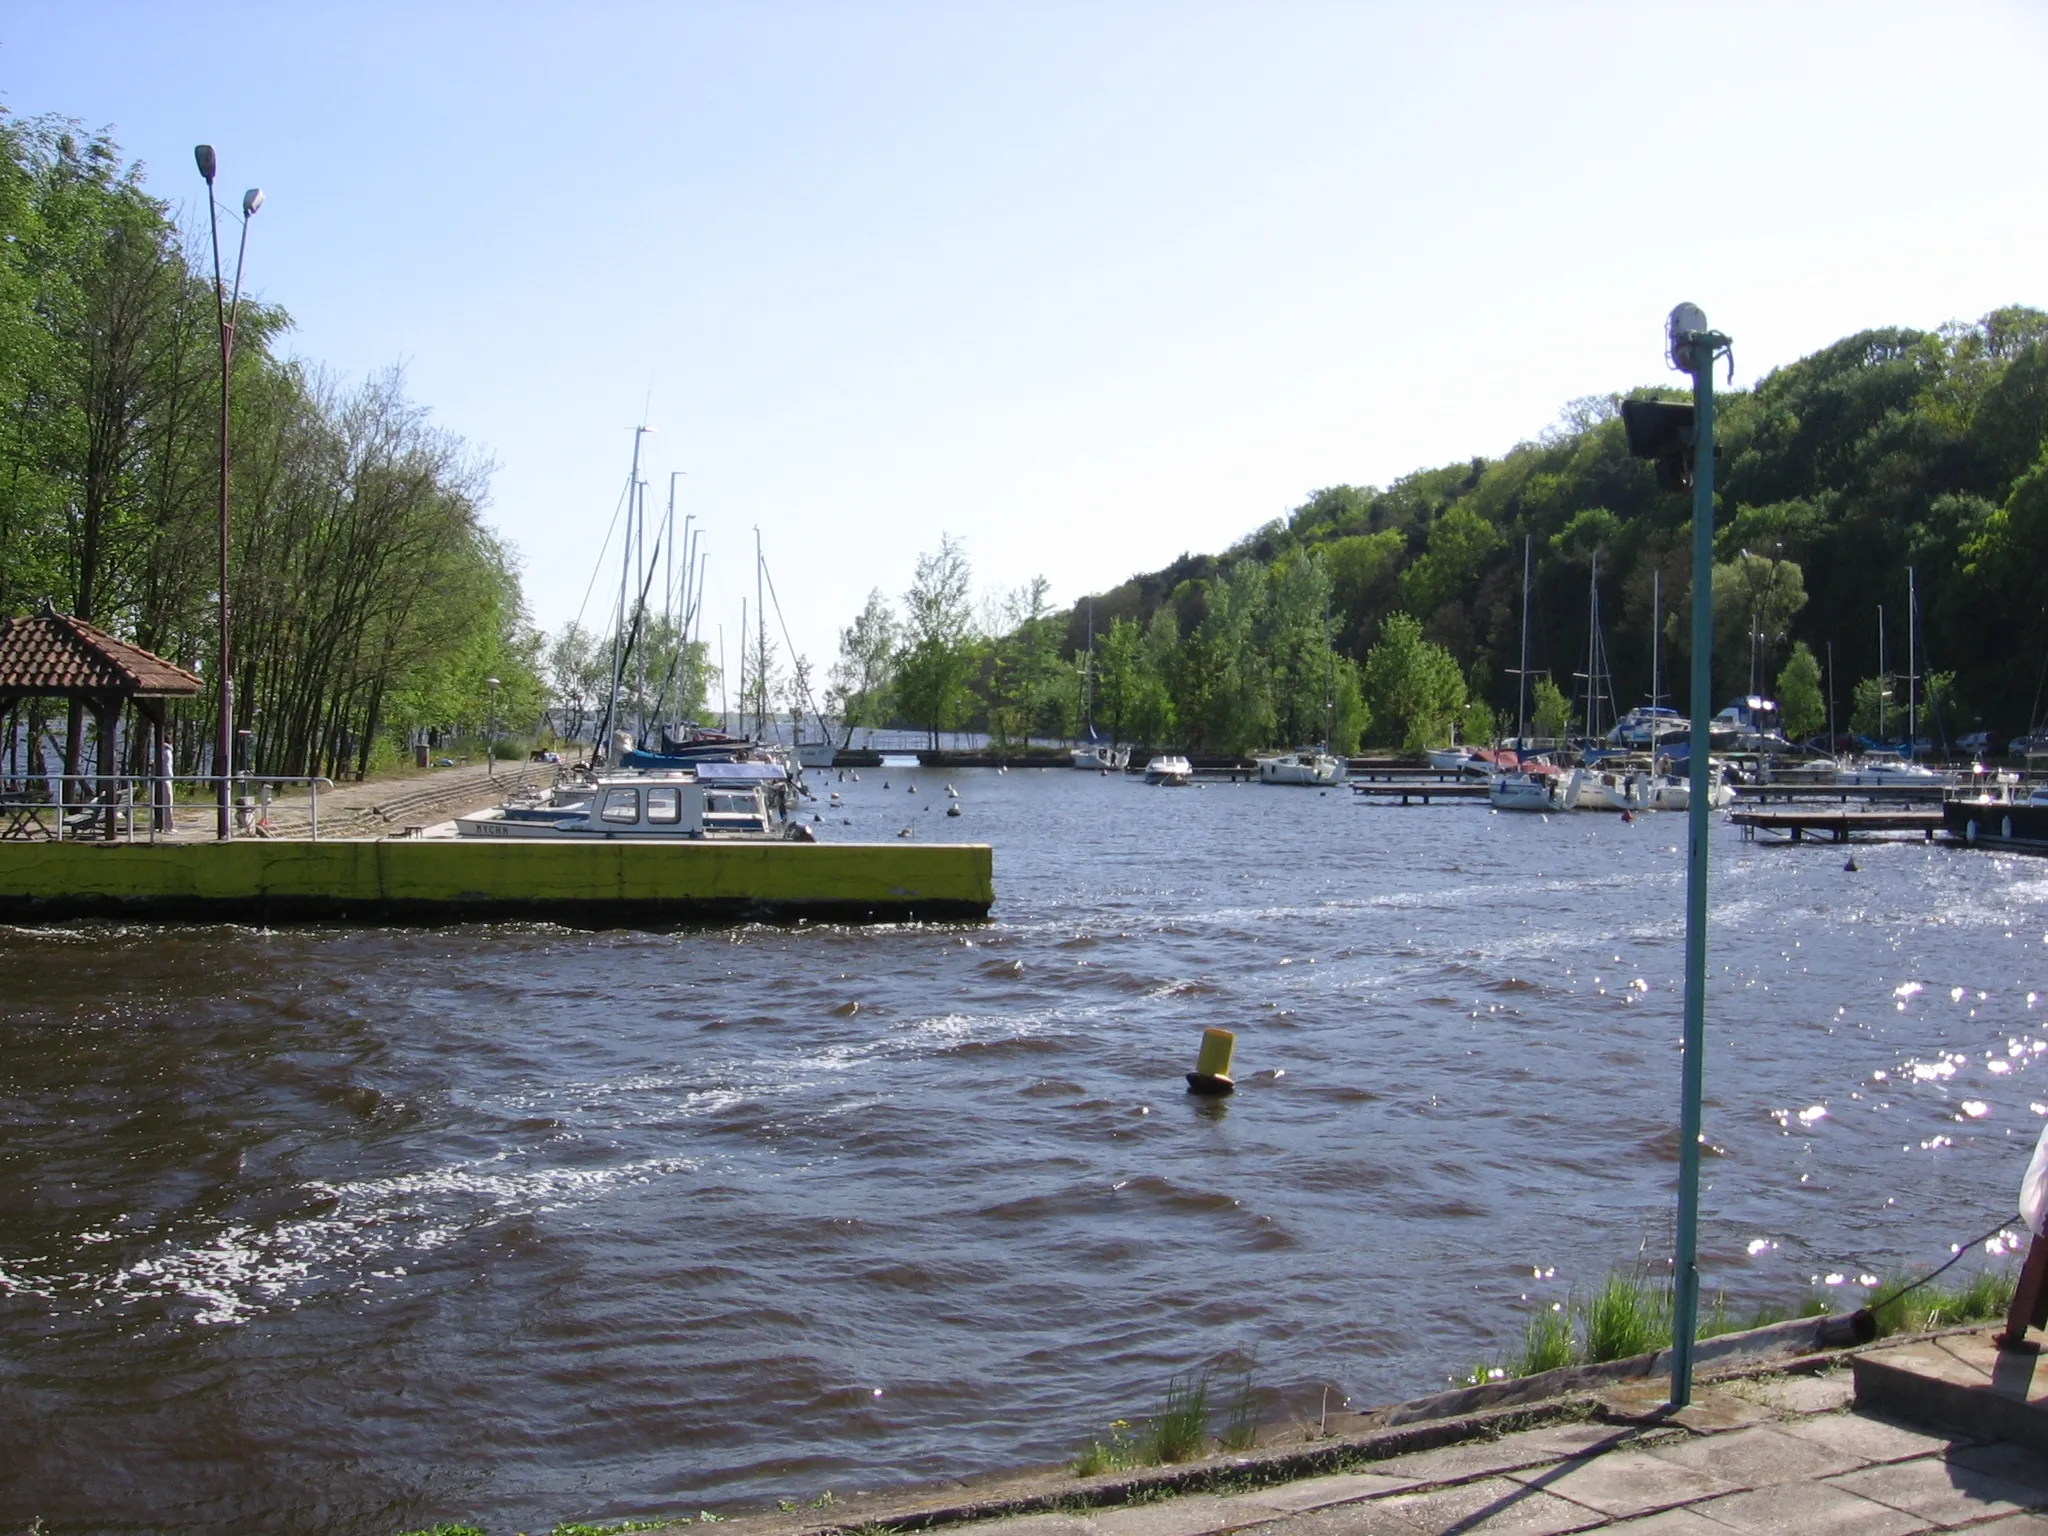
(1685, 1301)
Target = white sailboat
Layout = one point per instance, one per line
(1529, 786)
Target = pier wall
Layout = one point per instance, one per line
(594, 883)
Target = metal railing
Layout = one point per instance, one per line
(115, 798)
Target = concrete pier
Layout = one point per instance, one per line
(603, 883)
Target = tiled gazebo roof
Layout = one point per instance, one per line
(53, 654)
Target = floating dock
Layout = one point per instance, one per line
(1419, 791)
(1837, 824)
(593, 883)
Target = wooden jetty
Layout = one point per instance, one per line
(1419, 790)
(1836, 823)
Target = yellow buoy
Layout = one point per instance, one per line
(1212, 1065)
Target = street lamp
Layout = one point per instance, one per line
(224, 311)
(491, 730)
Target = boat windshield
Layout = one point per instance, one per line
(621, 805)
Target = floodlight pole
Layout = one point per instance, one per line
(1695, 351)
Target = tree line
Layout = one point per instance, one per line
(368, 599)
(1393, 616)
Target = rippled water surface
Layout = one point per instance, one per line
(355, 1229)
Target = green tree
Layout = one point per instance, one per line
(1802, 709)
(858, 691)
(1550, 712)
(1458, 544)
(937, 657)
(1412, 685)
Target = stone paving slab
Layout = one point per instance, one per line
(1623, 1483)
(1874, 1437)
(1821, 1392)
(1761, 1456)
(1809, 1509)
(1482, 1458)
(1939, 1490)
(1669, 1522)
(1492, 1506)
(1321, 1492)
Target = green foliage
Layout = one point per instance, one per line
(444, 1528)
(937, 657)
(1413, 686)
(1626, 1317)
(1889, 448)
(1550, 712)
(1982, 1297)
(1177, 1432)
(1546, 1342)
(367, 597)
(858, 692)
(1117, 1452)
(1802, 707)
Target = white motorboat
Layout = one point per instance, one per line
(1878, 770)
(1304, 767)
(1170, 772)
(1616, 784)
(715, 803)
(1673, 792)
(1532, 787)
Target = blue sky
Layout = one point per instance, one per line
(1085, 285)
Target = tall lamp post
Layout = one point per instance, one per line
(491, 730)
(1681, 439)
(224, 310)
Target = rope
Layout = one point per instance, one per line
(1907, 1290)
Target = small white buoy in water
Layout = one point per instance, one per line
(856, 778)
(913, 789)
(953, 809)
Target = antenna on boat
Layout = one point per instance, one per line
(611, 707)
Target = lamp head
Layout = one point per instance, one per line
(1686, 321)
(491, 682)
(203, 154)
(251, 201)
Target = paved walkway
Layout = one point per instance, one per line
(1780, 1455)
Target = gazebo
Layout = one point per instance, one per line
(53, 655)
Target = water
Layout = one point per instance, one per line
(350, 1230)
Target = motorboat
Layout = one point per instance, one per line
(1615, 784)
(1304, 767)
(1532, 787)
(718, 801)
(1469, 762)
(1879, 770)
(1643, 728)
(1669, 791)
(1169, 772)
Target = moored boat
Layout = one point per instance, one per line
(1170, 772)
(718, 801)
(2003, 814)
(1303, 767)
(1531, 787)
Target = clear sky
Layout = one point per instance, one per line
(1087, 285)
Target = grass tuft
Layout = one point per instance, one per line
(1182, 1425)
(1627, 1316)
(1547, 1343)
(1981, 1298)
(1117, 1453)
(1241, 1425)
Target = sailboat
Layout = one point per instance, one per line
(1529, 785)
(1647, 726)
(1094, 754)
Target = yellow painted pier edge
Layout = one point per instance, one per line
(603, 883)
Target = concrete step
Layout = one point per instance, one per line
(1961, 1381)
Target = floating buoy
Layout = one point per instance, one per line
(912, 789)
(904, 833)
(1627, 817)
(885, 783)
(953, 809)
(1211, 1076)
(856, 778)
(1851, 865)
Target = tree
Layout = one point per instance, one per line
(859, 687)
(1755, 598)
(1460, 541)
(1802, 709)
(1413, 686)
(1550, 711)
(937, 657)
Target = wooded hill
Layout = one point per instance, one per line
(1892, 448)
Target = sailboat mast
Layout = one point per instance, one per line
(761, 651)
(1912, 669)
(1656, 635)
(1088, 673)
(611, 708)
(1522, 676)
(1592, 643)
(1884, 682)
